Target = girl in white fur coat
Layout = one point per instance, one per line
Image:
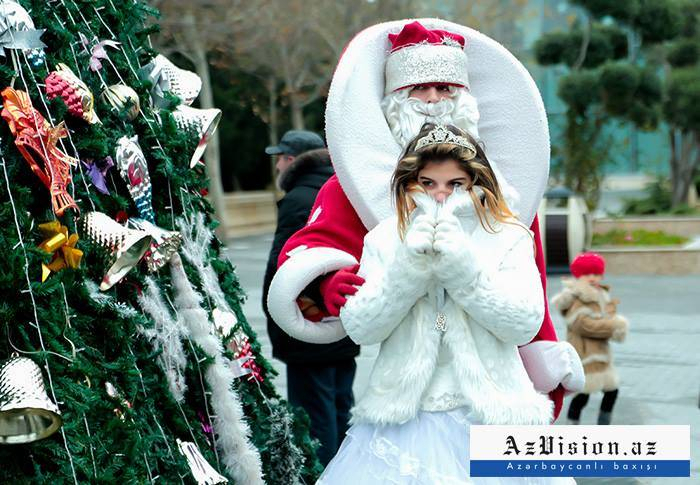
(451, 289)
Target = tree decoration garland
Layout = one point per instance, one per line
(196, 239)
(166, 338)
(239, 456)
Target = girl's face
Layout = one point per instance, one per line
(439, 179)
(592, 279)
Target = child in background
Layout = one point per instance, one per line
(592, 320)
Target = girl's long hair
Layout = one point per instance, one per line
(405, 178)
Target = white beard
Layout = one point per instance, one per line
(406, 115)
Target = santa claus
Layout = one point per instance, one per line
(392, 78)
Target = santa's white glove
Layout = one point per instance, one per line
(549, 364)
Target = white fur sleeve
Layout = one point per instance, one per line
(509, 302)
(392, 286)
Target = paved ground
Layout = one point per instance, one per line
(659, 364)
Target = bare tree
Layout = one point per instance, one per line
(194, 30)
(291, 53)
(304, 41)
(337, 22)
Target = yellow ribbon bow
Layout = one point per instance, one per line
(57, 238)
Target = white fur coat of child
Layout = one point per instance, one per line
(493, 302)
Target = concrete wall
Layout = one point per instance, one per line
(650, 260)
(680, 226)
(250, 213)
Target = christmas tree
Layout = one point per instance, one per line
(124, 354)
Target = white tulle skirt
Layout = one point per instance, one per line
(431, 449)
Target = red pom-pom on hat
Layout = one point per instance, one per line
(587, 263)
(415, 33)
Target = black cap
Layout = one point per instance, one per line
(295, 142)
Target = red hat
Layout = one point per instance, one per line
(587, 263)
(421, 56)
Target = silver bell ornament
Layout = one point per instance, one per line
(26, 412)
(202, 122)
(124, 246)
(123, 99)
(167, 77)
(165, 243)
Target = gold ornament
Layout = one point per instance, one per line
(123, 99)
(125, 246)
(26, 412)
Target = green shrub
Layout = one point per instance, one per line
(657, 201)
(638, 237)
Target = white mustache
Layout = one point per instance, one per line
(433, 110)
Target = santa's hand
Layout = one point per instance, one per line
(337, 287)
(454, 262)
(310, 310)
(419, 238)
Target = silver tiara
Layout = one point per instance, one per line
(440, 134)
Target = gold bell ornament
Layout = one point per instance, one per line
(26, 412)
(124, 246)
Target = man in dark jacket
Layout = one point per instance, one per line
(319, 377)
